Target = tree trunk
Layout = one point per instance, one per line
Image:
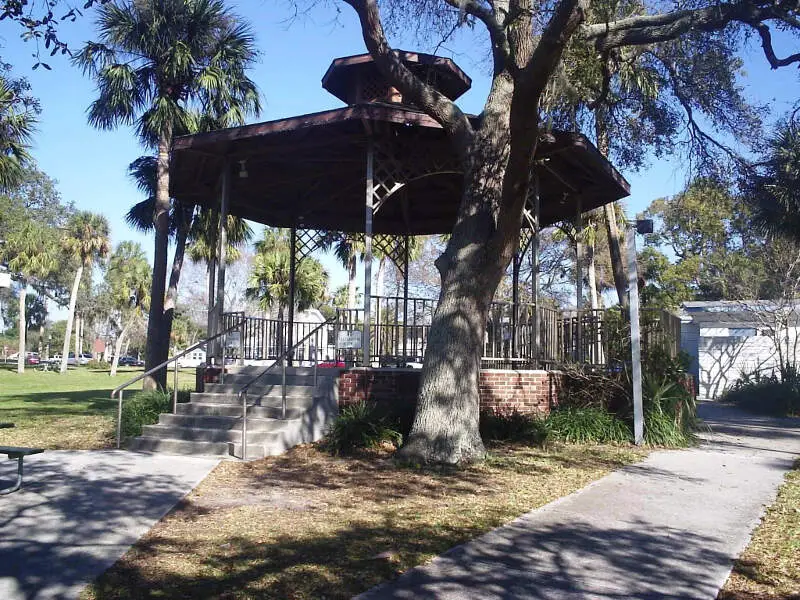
(381, 278)
(156, 351)
(446, 423)
(351, 282)
(77, 339)
(174, 278)
(592, 276)
(118, 348)
(21, 349)
(616, 246)
(73, 299)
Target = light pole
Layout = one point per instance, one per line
(639, 226)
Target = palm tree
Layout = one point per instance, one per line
(157, 65)
(128, 283)
(29, 252)
(87, 240)
(348, 248)
(17, 120)
(269, 280)
(774, 192)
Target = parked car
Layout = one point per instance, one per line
(84, 358)
(130, 361)
(70, 359)
(31, 358)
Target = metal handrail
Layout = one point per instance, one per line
(242, 396)
(122, 386)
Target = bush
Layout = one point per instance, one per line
(587, 425)
(143, 408)
(775, 394)
(361, 426)
(513, 427)
(96, 365)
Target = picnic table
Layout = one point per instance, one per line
(19, 453)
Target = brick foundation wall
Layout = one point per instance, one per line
(500, 390)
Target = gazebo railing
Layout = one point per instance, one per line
(399, 335)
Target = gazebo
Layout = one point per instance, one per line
(381, 168)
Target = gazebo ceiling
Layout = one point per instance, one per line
(310, 171)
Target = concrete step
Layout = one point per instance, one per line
(294, 406)
(271, 378)
(253, 370)
(198, 434)
(257, 391)
(268, 422)
(186, 447)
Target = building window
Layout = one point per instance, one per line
(742, 332)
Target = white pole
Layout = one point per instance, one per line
(370, 191)
(636, 347)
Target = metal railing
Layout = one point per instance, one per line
(282, 358)
(119, 389)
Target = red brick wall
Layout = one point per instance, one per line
(500, 390)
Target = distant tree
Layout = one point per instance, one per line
(18, 114)
(154, 64)
(269, 279)
(87, 240)
(31, 253)
(772, 187)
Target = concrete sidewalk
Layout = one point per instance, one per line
(79, 511)
(668, 527)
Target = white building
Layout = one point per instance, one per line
(728, 338)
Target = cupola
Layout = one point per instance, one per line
(357, 80)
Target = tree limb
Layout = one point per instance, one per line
(650, 29)
(501, 51)
(769, 51)
(433, 102)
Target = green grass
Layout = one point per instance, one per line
(63, 411)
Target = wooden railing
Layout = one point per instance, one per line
(399, 335)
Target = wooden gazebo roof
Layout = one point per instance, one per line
(309, 171)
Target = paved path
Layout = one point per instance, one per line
(79, 511)
(668, 527)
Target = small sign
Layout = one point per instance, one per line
(234, 339)
(350, 340)
(5, 280)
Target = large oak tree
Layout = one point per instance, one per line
(496, 152)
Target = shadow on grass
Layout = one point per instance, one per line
(69, 403)
(362, 555)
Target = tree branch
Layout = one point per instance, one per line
(433, 102)
(501, 51)
(769, 51)
(650, 29)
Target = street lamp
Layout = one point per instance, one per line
(639, 226)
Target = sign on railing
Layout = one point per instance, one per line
(348, 340)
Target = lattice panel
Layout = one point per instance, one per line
(308, 241)
(525, 238)
(393, 247)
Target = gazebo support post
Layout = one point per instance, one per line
(578, 280)
(537, 335)
(405, 298)
(222, 249)
(211, 322)
(368, 214)
(292, 283)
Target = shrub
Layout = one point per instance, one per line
(513, 427)
(143, 408)
(670, 412)
(587, 424)
(96, 365)
(776, 394)
(360, 426)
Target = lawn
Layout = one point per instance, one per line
(69, 411)
(770, 566)
(308, 525)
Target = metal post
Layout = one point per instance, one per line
(119, 420)
(636, 348)
(405, 299)
(222, 362)
(578, 280)
(283, 387)
(242, 331)
(175, 390)
(292, 277)
(211, 327)
(515, 301)
(222, 248)
(244, 425)
(368, 213)
(535, 267)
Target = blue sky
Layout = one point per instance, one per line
(90, 165)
